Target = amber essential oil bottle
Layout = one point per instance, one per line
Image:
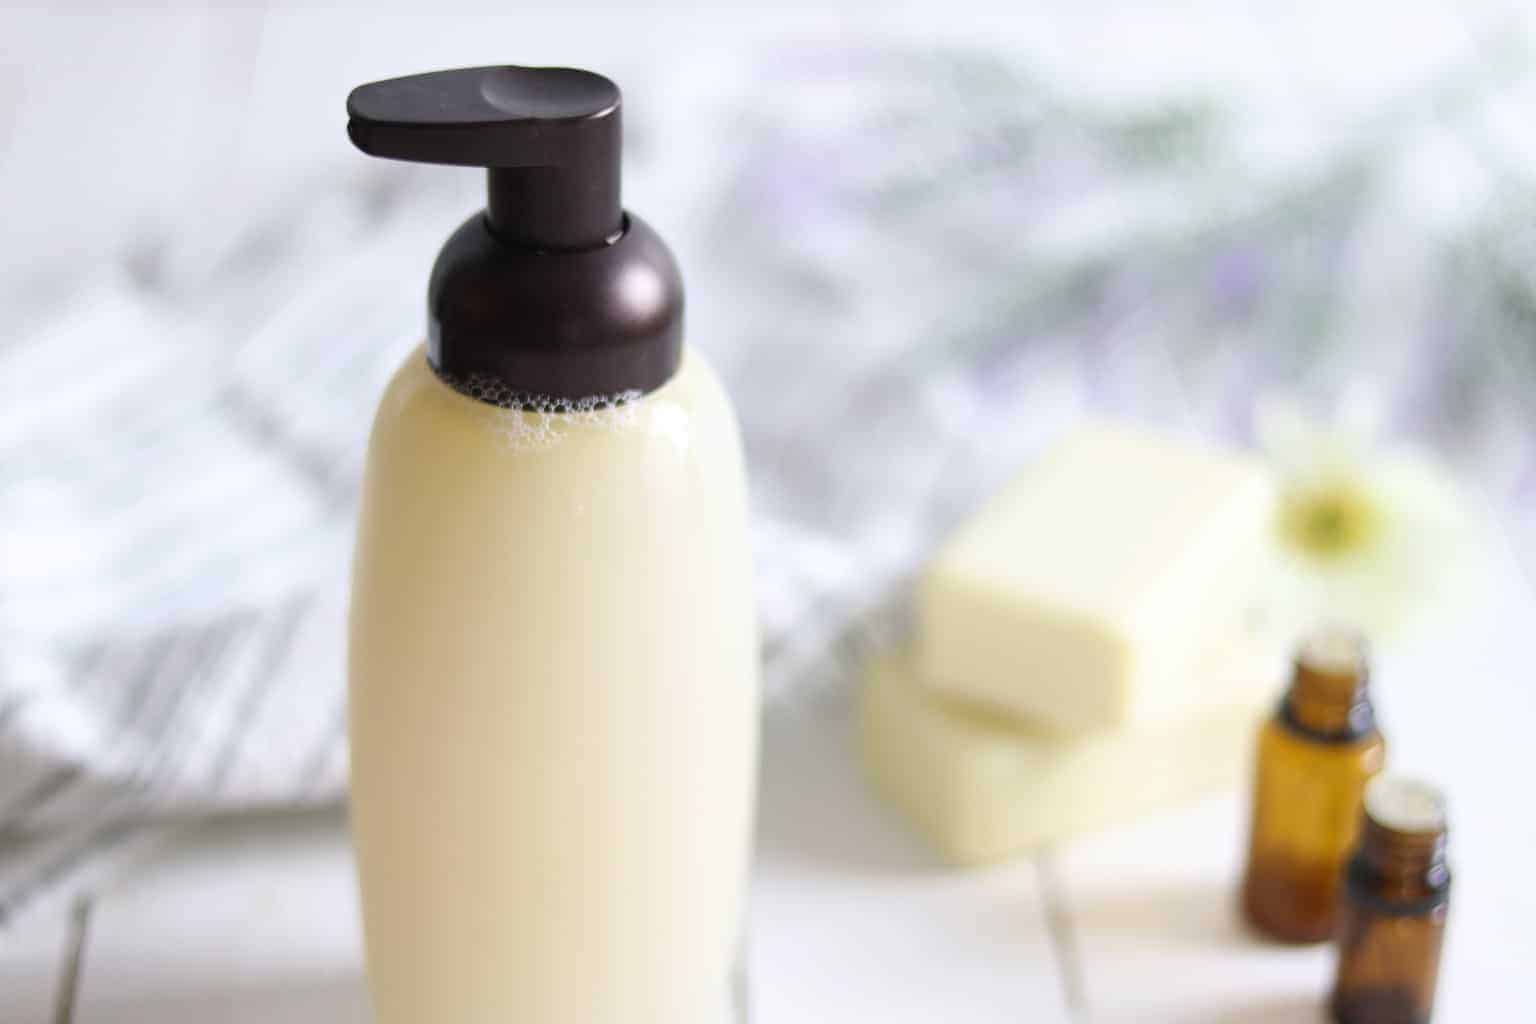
(1314, 758)
(1396, 895)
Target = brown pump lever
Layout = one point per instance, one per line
(550, 138)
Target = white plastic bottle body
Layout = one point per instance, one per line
(553, 683)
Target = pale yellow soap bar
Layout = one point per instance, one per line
(982, 788)
(1081, 597)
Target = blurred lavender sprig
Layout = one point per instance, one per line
(952, 212)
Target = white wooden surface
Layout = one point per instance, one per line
(1159, 937)
(244, 922)
(30, 959)
(256, 923)
(256, 920)
(853, 921)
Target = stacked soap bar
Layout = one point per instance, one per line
(1083, 595)
(1083, 650)
(982, 787)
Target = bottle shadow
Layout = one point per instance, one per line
(1197, 913)
(1283, 1010)
(334, 1000)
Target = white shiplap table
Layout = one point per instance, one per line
(256, 920)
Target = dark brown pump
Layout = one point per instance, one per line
(553, 291)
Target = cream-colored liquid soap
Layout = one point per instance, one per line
(552, 653)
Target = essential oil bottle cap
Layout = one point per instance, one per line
(1405, 805)
(1335, 651)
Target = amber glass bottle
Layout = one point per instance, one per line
(1396, 894)
(1314, 758)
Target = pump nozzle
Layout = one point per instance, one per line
(550, 138)
(554, 291)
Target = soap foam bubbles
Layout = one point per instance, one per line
(532, 422)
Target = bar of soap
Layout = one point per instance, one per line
(981, 787)
(1081, 597)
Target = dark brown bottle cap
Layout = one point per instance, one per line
(553, 291)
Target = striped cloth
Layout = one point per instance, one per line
(907, 295)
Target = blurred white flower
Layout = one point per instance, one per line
(1365, 535)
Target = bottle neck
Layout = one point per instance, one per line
(1329, 704)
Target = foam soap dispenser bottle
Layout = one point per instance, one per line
(553, 667)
